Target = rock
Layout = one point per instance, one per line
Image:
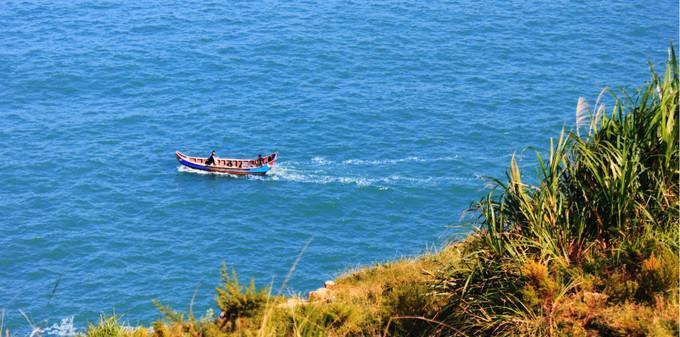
(593, 299)
(292, 303)
(329, 285)
(222, 320)
(321, 294)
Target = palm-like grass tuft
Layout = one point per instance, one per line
(606, 201)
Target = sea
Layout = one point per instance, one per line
(390, 118)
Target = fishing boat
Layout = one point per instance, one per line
(230, 165)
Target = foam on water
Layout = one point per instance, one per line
(187, 169)
(411, 159)
(318, 160)
(65, 328)
(282, 173)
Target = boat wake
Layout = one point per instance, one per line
(284, 173)
(289, 172)
(381, 162)
(187, 169)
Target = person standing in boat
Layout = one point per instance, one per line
(259, 160)
(211, 159)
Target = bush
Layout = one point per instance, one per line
(237, 301)
(658, 276)
(605, 204)
(407, 308)
(111, 327)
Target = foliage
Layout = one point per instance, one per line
(111, 327)
(237, 301)
(606, 205)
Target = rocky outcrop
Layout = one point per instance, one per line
(324, 294)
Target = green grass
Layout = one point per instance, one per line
(605, 209)
(591, 249)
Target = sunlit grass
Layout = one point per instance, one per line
(605, 208)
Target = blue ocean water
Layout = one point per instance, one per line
(386, 116)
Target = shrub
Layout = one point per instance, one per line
(539, 289)
(111, 327)
(107, 327)
(606, 201)
(237, 301)
(407, 308)
(658, 276)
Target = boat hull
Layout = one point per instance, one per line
(229, 166)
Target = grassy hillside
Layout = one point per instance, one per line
(591, 249)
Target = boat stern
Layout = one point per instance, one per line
(262, 170)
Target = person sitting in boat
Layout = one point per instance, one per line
(259, 160)
(211, 159)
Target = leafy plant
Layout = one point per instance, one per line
(606, 202)
(238, 301)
